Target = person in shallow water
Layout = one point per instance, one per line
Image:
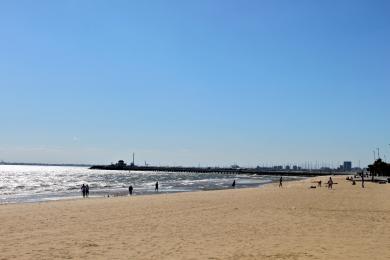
(83, 190)
(234, 184)
(87, 191)
(280, 182)
(156, 186)
(130, 190)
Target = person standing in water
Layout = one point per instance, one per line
(280, 182)
(83, 190)
(130, 190)
(156, 186)
(234, 184)
(87, 191)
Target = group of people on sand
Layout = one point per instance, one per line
(330, 183)
(353, 180)
(85, 190)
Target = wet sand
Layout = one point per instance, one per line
(293, 222)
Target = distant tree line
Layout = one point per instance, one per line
(379, 168)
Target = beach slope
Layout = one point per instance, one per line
(293, 222)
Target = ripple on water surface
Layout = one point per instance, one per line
(43, 183)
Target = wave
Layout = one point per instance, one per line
(40, 183)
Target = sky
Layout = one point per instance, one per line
(209, 83)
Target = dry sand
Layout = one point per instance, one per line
(293, 222)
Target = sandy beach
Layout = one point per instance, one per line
(293, 222)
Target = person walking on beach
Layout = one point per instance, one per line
(130, 190)
(362, 180)
(280, 182)
(234, 184)
(156, 186)
(87, 191)
(330, 183)
(83, 190)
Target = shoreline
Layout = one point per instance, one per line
(293, 222)
(122, 192)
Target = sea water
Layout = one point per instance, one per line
(44, 183)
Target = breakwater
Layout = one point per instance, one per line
(222, 170)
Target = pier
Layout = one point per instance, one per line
(221, 170)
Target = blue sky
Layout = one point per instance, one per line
(195, 82)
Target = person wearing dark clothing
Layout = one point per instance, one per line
(83, 190)
(280, 182)
(87, 191)
(362, 181)
(330, 183)
(234, 184)
(130, 190)
(156, 186)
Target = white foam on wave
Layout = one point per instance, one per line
(40, 183)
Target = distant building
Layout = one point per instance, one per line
(235, 166)
(121, 163)
(287, 167)
(347, 166)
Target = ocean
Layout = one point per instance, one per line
(44, 183)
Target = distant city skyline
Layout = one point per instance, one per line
(195, 82)
(346, 165)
